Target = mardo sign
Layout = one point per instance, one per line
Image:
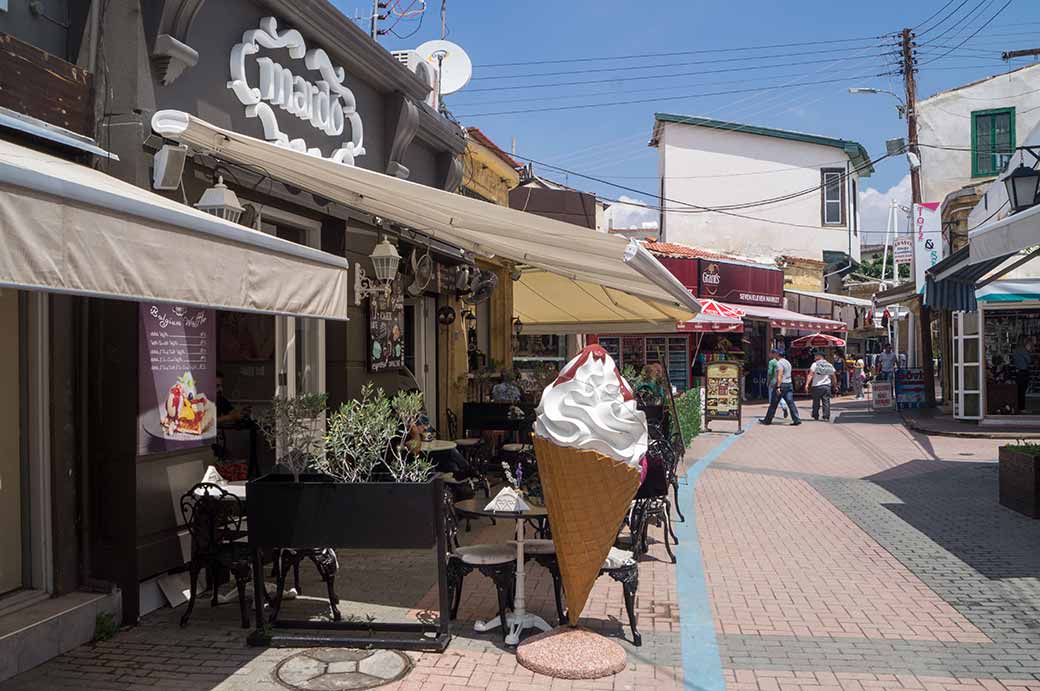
(325, 102)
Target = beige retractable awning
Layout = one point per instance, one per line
(68, 228)
(538, 245)
(548, 303)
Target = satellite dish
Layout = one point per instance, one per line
(455, 66)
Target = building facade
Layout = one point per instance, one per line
(814, 181)
(969, 133)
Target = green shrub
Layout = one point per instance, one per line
(105, 626)
(688, 407)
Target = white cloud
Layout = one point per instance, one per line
(628, 216)
(873, 210)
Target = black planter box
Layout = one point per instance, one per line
(1020, 481)
(318, 512)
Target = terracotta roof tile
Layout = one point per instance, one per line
(671, 249)
(479, 136)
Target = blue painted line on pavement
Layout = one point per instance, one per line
(702, 666)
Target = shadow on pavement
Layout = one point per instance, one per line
(955, 504)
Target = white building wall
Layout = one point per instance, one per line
(993, 205)
(945, 120)
(711, 167)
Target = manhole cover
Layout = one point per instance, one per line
(332, 669)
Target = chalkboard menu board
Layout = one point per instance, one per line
(386, 331)
(722, 392)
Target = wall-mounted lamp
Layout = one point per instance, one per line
(1022, 186)
(220, 202)
(385, 261)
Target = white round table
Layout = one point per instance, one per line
(437, 445)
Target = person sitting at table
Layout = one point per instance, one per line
(227, 412)
(450, 461)
(506, 391)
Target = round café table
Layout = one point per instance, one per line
(519, 619)
(438, 446)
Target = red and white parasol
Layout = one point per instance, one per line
(818, 340)
(718, 309)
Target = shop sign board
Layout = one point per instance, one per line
(722, 391)
(927, 236)
(177, 378)
(386, 331)
(881, 395)
(903, 251)
(910, 388)
(310, 89)
(740, 283)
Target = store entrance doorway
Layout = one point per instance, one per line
(11, 494)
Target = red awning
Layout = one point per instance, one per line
(777, 316)
(781, 318)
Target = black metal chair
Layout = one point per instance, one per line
(473, 449)
(652, 505)
(213, 517)
(286, 560)
(621, 565)
(497, 562)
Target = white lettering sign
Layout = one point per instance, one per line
(326, 103)
(928, 246)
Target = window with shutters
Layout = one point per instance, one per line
(832, 196)
(992, 140)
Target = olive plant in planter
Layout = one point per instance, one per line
(1019, 473)
(363, 485)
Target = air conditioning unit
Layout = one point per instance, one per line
(425, 70)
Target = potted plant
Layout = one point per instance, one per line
(1019, 473)
(360, 484)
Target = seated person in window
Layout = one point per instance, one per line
(506, 391)
(227, 412)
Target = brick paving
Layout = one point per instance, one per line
(851, 555)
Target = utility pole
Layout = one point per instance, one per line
(1009, 54)
(909, 80)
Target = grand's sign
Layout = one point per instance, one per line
(740, 283)
(325, 102)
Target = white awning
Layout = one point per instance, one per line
(1004, 237)
(68, 228)
(584, 257)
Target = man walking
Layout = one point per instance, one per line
(820, 383)
(783, 389)
(771, 381)
(886, 364)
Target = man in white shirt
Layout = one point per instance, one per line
(887, 364)
(820, 383)
(783, 389)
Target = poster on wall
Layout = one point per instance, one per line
(722, 391)
(177, 378)
(386, 331)
(928, 244)
(910, 389)
(903, 251)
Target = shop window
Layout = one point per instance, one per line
(992, 140)
(832, 196)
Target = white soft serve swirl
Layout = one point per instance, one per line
(590, 412)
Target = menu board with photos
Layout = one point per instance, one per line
(177, 387)
(722, 391)
(386, 331)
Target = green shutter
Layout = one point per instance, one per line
(992, 141)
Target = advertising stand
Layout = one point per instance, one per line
(722, 393)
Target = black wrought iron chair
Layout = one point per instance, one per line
(621, 565)
(473, 449)
(652, 505)
(497, 562)
(213, 517)
(286, 560)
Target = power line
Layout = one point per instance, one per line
(975, 33)
(672, 75)
(956, 22)
(798, 44)
(671, 98)
(662, 65)
(933, 16)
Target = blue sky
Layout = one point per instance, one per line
(609, 141)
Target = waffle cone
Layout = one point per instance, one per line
(587, 496)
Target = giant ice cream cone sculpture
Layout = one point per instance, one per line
(589, 440)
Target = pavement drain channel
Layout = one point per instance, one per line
(333, 669)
